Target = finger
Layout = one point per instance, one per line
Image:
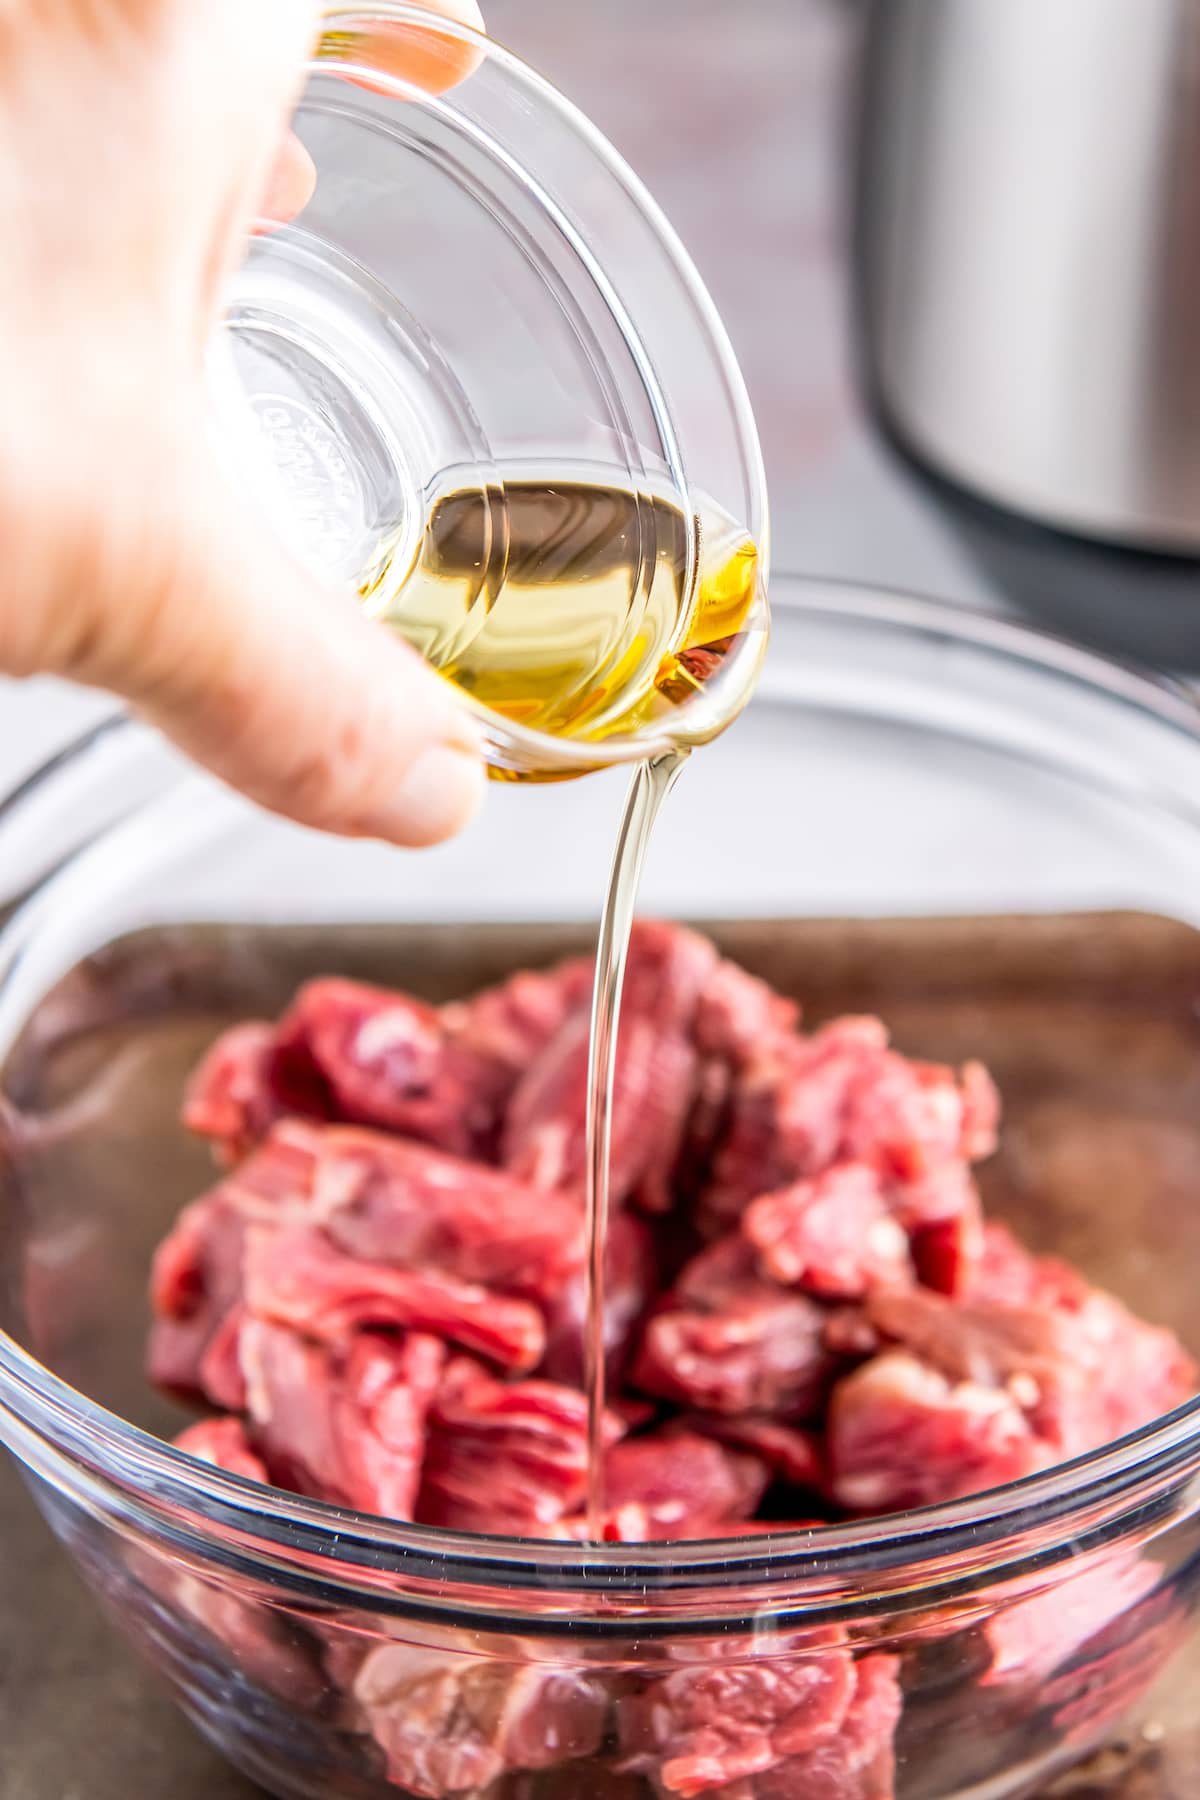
(292, 184)
(290, 694)
(420, 54)
(258, 175)
(427, 58)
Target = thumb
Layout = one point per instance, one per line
(290, 693)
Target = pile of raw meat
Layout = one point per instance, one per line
(807, 1320)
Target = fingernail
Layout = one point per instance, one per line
(437, 798)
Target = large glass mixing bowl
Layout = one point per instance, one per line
(993, 840)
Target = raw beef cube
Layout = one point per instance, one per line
(787, 1112)
(222, 1379)
(791, 1453)
(230, 1096)
(1081, 1366)
(347, 1426)
(1031, 1638)
(180, 1277)
(299, 1278)
(197, 1276)
(389, 1200)
(911, 1117)
(816, 1078)
(196, 1285)
(843, 1096)
(749, 1157)
(682, 1480)
(255, 1637)
(443, 1077)
(1029, 1353)
(1133, 1373)
(986, 1390)
(833, 1235)
(738, 1015)
(454, 1725)
(902, 1434)
(505, 1459)
(859, 1763)
(705, 1728)
(1009, 1273)
(201, 1253)
(371, 1057)
(545, 1130)
(978, 1341)
(729, 1342)
(630, 1283)
(1127, 1372)
(507, 1026)
(668, 970)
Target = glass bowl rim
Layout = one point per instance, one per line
(1102, 1486)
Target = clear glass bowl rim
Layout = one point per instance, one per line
(988, 1537)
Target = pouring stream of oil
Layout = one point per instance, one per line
(651, 784)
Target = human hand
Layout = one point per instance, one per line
(138, 141)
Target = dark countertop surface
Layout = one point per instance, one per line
(79, 1717)
(737, 118)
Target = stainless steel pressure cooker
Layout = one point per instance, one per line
(1030, 238)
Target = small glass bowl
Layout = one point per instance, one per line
(993, 839)
(479, 293)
